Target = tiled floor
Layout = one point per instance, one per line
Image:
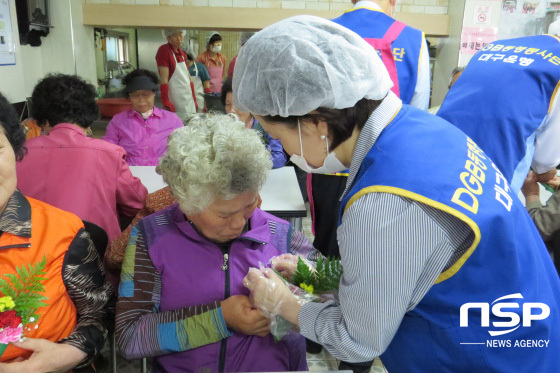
(321, 362)
(324, 362)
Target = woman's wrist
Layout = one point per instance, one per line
(290, 311)
(532, 198)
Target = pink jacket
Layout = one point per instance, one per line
(86, 176)
(144, 141)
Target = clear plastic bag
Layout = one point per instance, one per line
(275, 292)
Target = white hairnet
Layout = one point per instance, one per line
(172, 31)
(210, 34)
(554, 28)
(244, 37)
(305, 62)
(189, 51)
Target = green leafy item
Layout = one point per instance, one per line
(326, 276)
(26, 289)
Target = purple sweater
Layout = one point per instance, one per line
(192, 272)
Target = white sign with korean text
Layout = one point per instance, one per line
(482, 15)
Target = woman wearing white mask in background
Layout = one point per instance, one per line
(214, 61)
(176, 86)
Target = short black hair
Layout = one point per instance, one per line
(60, 98)
(341, 122)
(140, 72)
(214, 38)
(227, 87)
(12, 129)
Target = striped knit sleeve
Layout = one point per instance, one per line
(143, 331)
(300, 245)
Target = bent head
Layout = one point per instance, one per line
(287, 74)
(388, 6)
(141, 86)
(215, 168)
(455, 74)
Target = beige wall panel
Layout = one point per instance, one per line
(114, 15)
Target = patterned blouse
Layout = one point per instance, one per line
(218, 61)
(83, 276)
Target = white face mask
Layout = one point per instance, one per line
(217, 48)
(330, 165)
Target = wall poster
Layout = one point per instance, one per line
(7, 47)
(475, 38)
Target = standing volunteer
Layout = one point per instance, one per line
(177, 89)
(214, 61)
(422, 231)
(402, 49)
(506, 101)
(404, 53)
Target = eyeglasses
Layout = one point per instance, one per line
(138, 95)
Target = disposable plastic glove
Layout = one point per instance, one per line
(269, 292)
(286, 264)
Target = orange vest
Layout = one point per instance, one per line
(52, 231)
(33, 130)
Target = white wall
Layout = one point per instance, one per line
(56, 54)
(517, 24)
(447, 54)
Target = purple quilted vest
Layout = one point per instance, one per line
(193, 272)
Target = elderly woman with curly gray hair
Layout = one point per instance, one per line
(181, 297)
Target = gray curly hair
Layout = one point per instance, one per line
(172, 31)
(213, 157)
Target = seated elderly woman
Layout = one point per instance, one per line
(142, 132)
(277, 154)
(73, 325)
(88, 177)
(181, 296)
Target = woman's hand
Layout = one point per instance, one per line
(545, 177)
(530, 188)
(554, 182)
(47, 357)
(240, 315)
(270, 294)
(285, 264)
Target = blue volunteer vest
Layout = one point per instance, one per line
(446, 170)
(502, 98)
(374, 24)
